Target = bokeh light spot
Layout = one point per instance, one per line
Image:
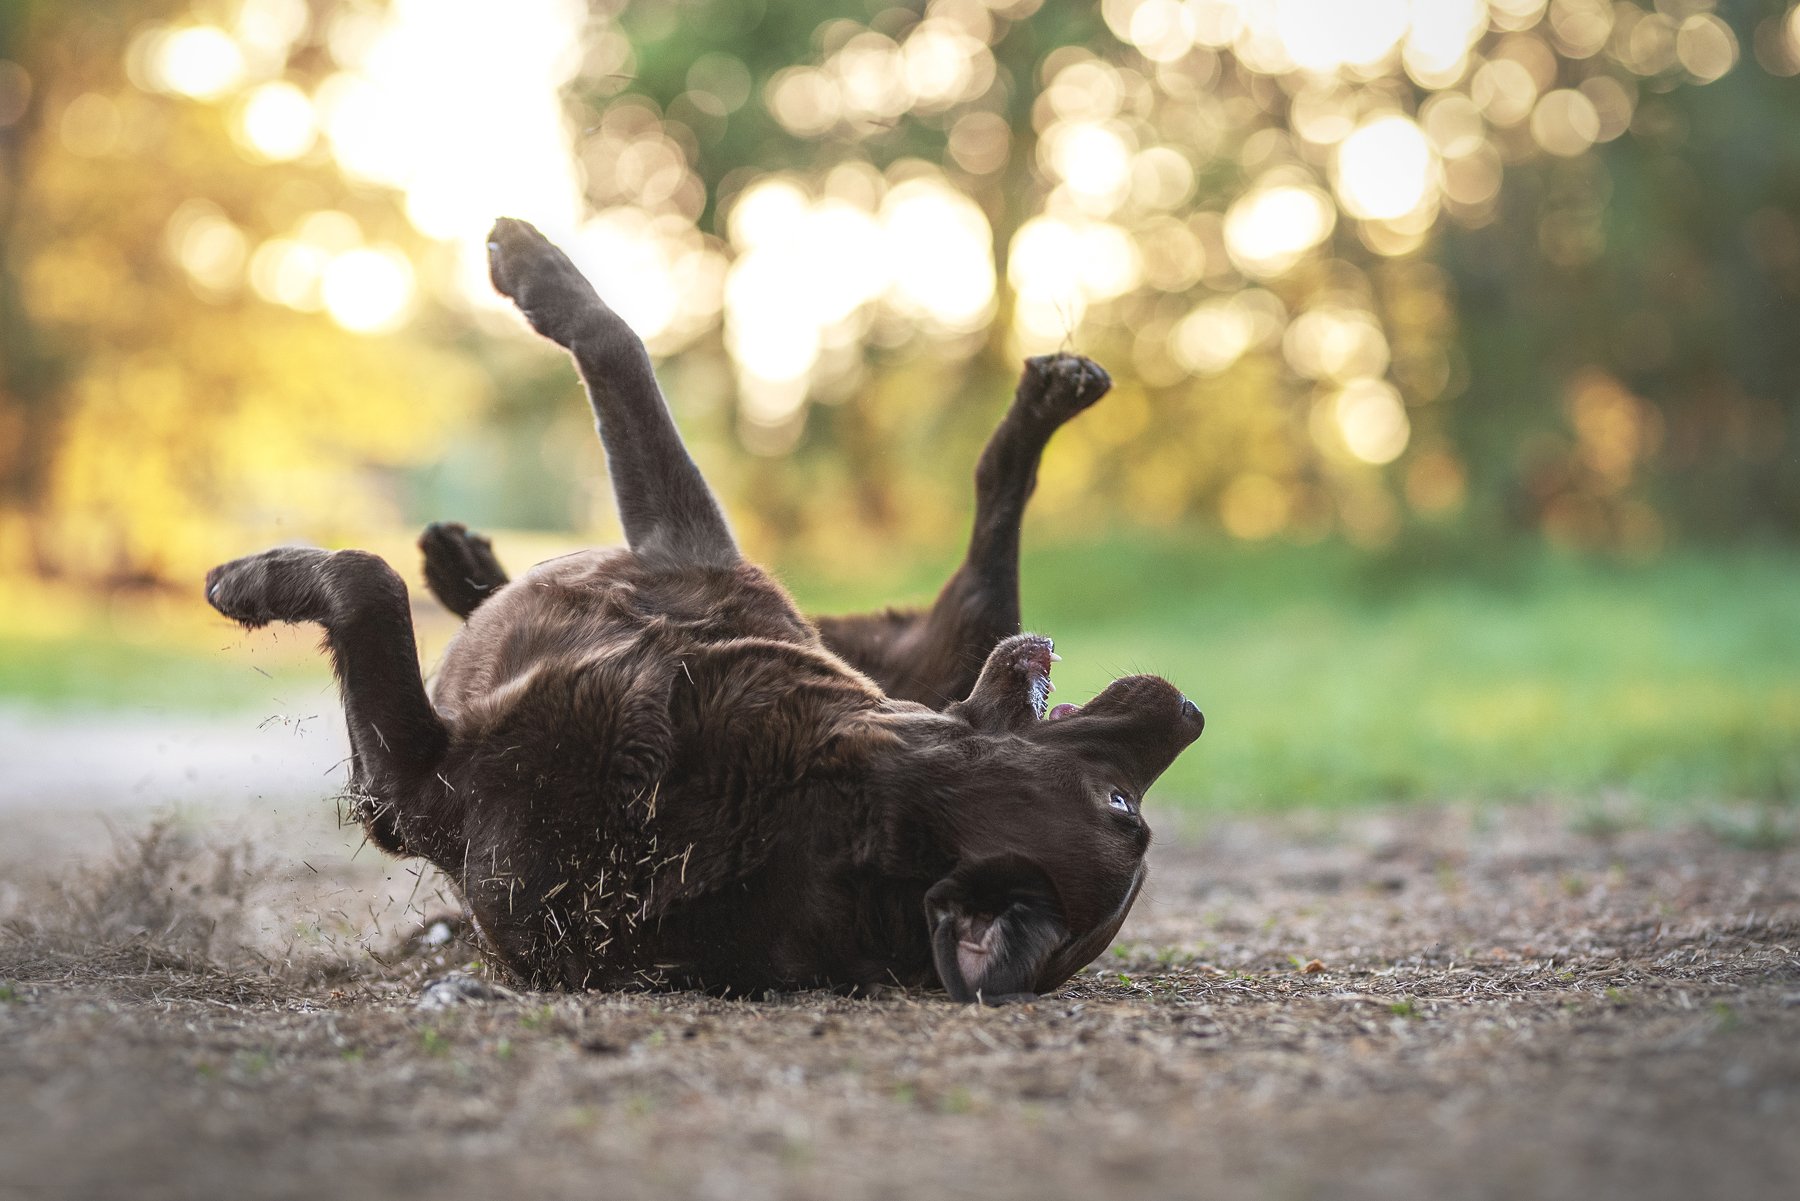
(1565, 122)
(1336, 343)
(277, 122)
(1505, 91)
(1706, 47)
(198, 61)
(368, 290)
(1385, 169)
(1271, 227)
(1372, 420)
(208, 246)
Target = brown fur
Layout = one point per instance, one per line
(927, 655)
(646, 766)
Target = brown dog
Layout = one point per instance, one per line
(645, 766)
(932, 656)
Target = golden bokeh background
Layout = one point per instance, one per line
(1372, 271)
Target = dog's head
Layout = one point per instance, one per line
(1045, 819)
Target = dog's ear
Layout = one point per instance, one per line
(995, 923)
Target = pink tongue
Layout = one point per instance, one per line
(1063, 710)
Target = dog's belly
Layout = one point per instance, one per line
(601, 602)
(641, 762)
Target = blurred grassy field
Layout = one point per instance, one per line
(1330, 678)
(1327, 678)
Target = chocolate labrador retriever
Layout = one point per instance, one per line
(645, 767)
(932, 656)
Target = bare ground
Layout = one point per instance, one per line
(1499, 1006)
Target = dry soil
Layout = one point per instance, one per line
(1423, 1003)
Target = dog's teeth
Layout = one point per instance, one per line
(1055, 658)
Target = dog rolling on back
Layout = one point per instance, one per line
(645, 767)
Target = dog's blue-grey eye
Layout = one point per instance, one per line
(1121, 802)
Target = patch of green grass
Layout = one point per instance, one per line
(1328, 678)
(160, 651)
(93, 667)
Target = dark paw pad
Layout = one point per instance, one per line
(460, 566)
(454, 545)
(1055, 387)
(549, 290)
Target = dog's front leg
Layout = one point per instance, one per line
(397, 740)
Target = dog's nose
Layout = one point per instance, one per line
(1190, 713)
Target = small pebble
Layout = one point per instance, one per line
(460, 988)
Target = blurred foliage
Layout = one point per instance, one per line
(1416, 274)
(154, 410)
(1325, 683)
(1328, 678)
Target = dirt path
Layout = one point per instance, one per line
(1502, 1008)
(113, 762)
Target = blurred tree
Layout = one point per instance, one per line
(157, 401)
(1377, 269)
(1631, 316)
(1264, 216)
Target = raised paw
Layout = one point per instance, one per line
(460, 567)
(1014, 687)
(1055, 387)
(549, 290)
(285, 584)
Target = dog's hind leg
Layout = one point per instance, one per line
(397, 740)
(664, 504)
(934, 656)
(460, 567)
